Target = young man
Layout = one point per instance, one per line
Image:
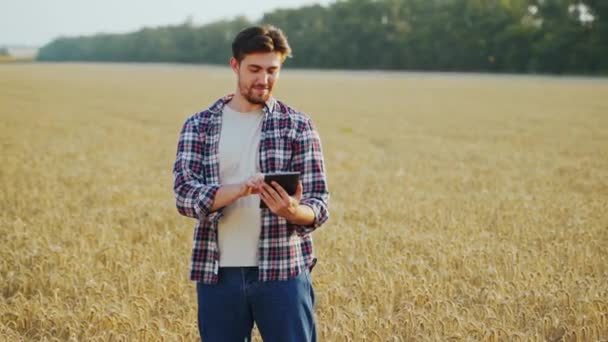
(251, 264)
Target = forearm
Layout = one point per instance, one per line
(226, 195)
(303, 216)
(193, 199)
(320, 214)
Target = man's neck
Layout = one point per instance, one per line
(240, 104)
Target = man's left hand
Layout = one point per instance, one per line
(279, 202)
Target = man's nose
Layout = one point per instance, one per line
(265, 77)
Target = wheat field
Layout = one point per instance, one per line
(464, 207)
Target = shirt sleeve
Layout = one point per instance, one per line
(193, 198)
(308, 159)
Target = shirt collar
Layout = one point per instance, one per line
(218, 106)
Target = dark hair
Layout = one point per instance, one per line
(264, 38)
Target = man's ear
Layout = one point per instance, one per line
(234, 64)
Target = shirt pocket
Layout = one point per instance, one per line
(280, 153)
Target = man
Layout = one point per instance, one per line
(251, 264)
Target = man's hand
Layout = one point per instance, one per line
(279, 202)
(230, 193)
(252, 185)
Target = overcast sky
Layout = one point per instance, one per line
(37, 22)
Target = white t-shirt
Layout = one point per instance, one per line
(240, 226)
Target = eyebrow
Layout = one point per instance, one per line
(255, 66)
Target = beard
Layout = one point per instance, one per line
(250, 93)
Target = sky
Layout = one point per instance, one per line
(37, 22)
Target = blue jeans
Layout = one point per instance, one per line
(282, 310)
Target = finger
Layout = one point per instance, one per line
(255, 180)
(264, 198)
(259, 177)
(299, 190)
(271, 203)
(253, 184)
(284, 195)
(271, 192)
(249, 188)
(254, 190)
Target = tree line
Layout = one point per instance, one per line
(515, 36)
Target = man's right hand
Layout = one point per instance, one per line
(230, 193)
(252, 185)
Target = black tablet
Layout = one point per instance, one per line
(288, 180)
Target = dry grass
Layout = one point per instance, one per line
(11, 59)
(464, 207)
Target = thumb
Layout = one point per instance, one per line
(258, 179)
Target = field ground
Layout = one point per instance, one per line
(464, 207)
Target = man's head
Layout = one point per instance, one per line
(257, 55)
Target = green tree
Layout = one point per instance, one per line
(555, 36)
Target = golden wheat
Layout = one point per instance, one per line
(464, 207)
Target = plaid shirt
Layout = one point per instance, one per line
(288, 142)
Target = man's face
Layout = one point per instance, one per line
(256, 75)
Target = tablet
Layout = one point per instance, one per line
(288, 180)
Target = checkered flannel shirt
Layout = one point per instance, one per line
(288, 142)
